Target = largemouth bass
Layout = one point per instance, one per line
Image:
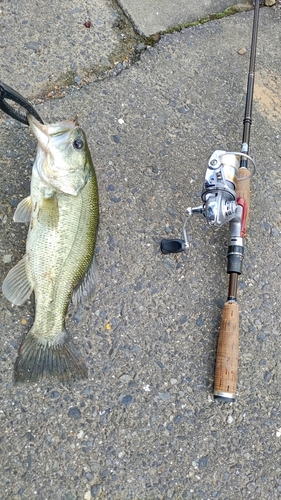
(62, 211)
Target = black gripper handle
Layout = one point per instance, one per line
(172, 246)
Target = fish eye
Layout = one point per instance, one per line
(78, 144)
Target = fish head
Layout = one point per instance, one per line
(63, 158)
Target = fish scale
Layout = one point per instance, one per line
(65, 262)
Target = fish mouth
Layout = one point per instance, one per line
(54, 132)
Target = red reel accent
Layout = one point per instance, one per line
(242, 202)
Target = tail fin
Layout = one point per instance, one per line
(37, 360)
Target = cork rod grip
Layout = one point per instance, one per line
(227, 354)
(243, 188)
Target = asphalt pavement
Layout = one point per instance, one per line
(154, 108)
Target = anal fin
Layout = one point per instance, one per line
(23, 210)
(16, 286)
(87, 284)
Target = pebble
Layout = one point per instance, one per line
(172, 212)
(173, 103)
(32, 45)
(203, 461)
(126, 400)
(266, 226)
(118, 68)
(139, 47)
(200, 321)
(242, 51)
(95, 467)
(29, 436)
(164, 396)
(138, 286)
(183, 320)
(187, 495)
(54, 394)
(14, 202)
(178, 419)
(260, 337)
(7, 259)
(74, 412)
(125, 378)
(274, 233)
(77, 80)
(95, 490)
(105, 473)
(87, 495)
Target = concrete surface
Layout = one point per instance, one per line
(47, 47)
(145, 426)
(161, 15)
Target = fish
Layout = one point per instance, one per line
(62, 211)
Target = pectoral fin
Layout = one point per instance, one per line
(87, 285)
(23, 211)
(48, 214)
(16, 286)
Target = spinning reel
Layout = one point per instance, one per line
(221, 204)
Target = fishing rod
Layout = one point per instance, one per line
(226, 199)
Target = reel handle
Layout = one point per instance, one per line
(172, 246)
(226, 370)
